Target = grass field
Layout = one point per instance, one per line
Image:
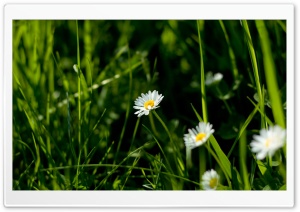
(76, 89)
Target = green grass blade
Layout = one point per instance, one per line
(243, 160)
(254, 67)
(202, 74)
(270, 73)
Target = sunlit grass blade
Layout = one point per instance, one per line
(254, 67)
(267, 119)
(270, 73)
(243, 160)
(202, 74)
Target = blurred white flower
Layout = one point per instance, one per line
(198, 136)
(210, 78)
(268, 141)
(147, 102)
(210, 180)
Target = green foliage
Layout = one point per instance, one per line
(74, 87)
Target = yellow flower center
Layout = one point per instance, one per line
(149, 103)
(213, 182)
(268, 141)
(200, 136)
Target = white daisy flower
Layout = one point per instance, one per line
(198, 136)
(210, 180)
(268, 141)
(147, 102)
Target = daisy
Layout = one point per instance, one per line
(210, 180)
(147, 102)
(198, 136)
(268, 141)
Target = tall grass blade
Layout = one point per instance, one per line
(254, 67)
(243, 160)
(270, 73)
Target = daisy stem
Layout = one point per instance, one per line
(153, 125)
(219, 162)
(270, 160)
(189, 162)
(203, 161)
(163, 124)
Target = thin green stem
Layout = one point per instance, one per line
(189, 162)
(153, 125)
(225, 102)
(164, 126)
(270, 161)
